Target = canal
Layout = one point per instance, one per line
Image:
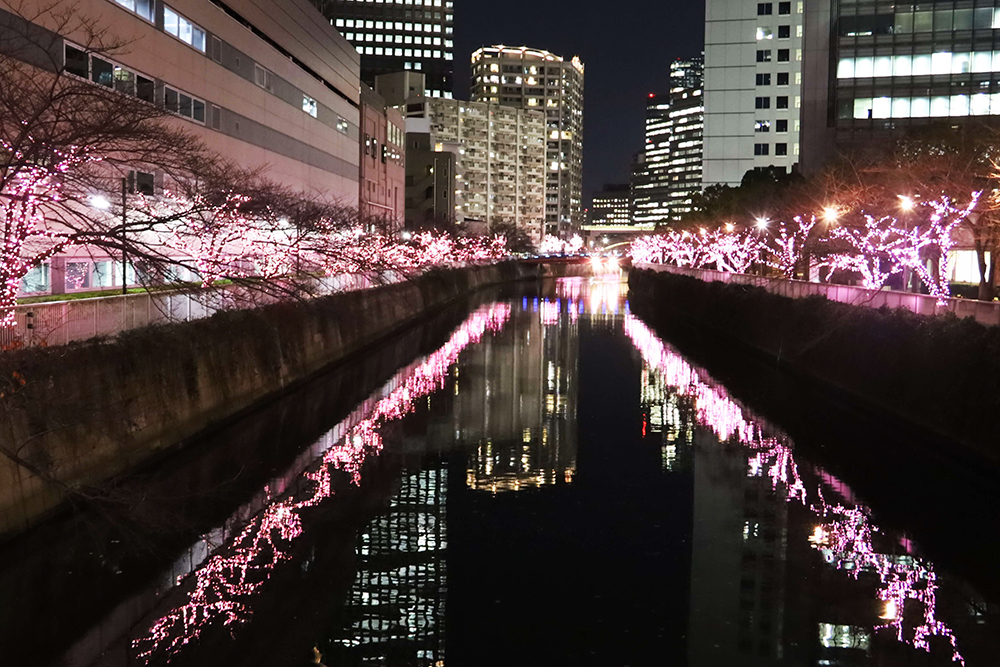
(534, 478)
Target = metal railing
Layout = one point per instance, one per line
(984, 312)
(61, 322)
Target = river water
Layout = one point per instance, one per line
(548, 482)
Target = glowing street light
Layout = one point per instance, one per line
(831, 213)
(730, 226)
(100, 202)
(762, 223)
(906, 203)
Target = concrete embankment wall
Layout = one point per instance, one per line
(939, 374)
(77, 415)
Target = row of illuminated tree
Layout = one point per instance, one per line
(90, 169)
(848, 244)
(877, 209)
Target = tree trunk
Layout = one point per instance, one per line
(985, 277)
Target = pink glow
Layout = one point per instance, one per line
(845, 536)
(877, 250)
(223, 586)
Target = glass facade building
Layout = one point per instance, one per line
(671, 170)
(899, 65)
(652, 181)
(685, 123)
(534, 79)
(392, 36)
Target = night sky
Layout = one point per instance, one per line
(626, 45)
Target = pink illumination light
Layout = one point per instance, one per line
(846, 534)
(223, 586)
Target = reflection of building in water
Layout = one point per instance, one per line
(516, 398)
(668, 419)
(396, 609)
(738, 560)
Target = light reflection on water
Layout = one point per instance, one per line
(513, 406)
(845, 533)
(223, 588)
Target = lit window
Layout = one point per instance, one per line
(143, 8)
(309, 106)
(184, 30)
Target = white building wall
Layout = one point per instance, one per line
(259, 128)
(735, 32)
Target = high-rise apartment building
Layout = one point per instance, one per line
(671, 171)
(394, 35)
(685, 124)
(535, 79)
(753, 83)
(502, 157)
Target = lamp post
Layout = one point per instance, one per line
(124, 236)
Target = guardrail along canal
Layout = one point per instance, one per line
(553, 484)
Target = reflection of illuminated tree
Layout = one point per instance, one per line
(224, 585)
(846, 536)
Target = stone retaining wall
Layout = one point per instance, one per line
(77, 415)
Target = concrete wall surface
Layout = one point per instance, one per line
(75, 416)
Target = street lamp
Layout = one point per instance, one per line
(761, 224)
(100, 202)
(831, 213)
(906, 203)
(730, 226)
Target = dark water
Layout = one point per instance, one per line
(546, 483)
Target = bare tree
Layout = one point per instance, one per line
(77, 133)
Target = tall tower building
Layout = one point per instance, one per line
(534, 79)
(673, 150)
(685, 123)
(753, 81)
(652, 197)
(393, 36)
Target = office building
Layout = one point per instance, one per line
(417, 35)
(753, 83)
(517, 403)
(685, 126)
(533, 79)
(652, 183)
(671, 169)
(502, 152)
(897, 66)
(611, 206)
(266, 85)
(395, 612)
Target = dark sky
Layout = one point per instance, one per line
(626, 45)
